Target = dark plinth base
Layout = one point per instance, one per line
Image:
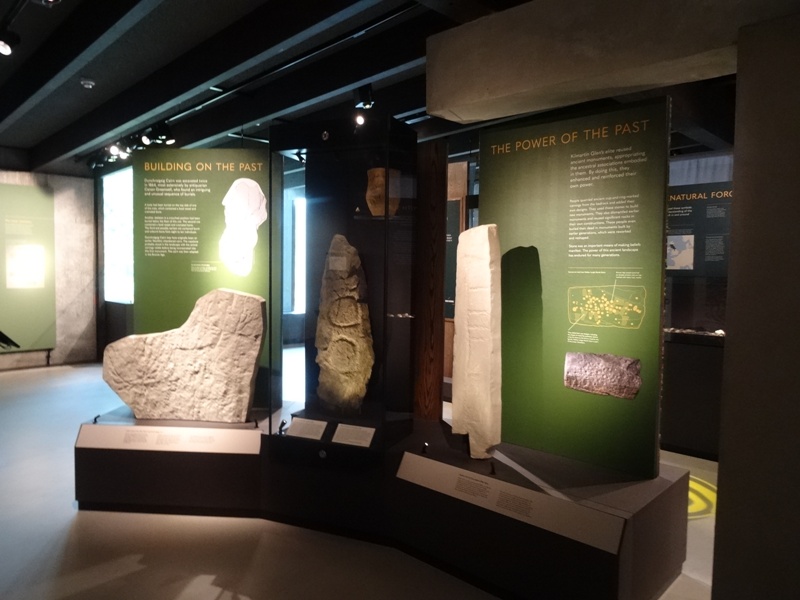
(690, 409)
(387, 429)
(166, 468)
(575, 531)
(521, 525)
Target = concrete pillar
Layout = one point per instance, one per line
(758, 519)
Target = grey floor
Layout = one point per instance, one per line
(49, 550)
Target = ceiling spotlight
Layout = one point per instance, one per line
(360, 120)
(363, 97)
(163, 135)
(145, 139)
(8, 41)
(87, 83)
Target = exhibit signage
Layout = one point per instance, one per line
(698, 229)
(579, 205)
(27, 269)
(202, 440)
(594, 527)
(199, 224)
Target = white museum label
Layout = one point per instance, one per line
(587, 525)
(307, 428)
(169, 439)
(353, 435)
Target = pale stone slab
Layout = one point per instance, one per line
(344, 335)
(203, 371)
(476, 346)
(605, 374)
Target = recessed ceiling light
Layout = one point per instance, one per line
(87, 83)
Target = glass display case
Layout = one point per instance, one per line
(343, 197)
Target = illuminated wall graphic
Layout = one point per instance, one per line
(579, 205)
(26, 266)
(245, 210)
(27, 269)
(118, 236)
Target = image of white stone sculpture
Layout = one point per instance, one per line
(203, 371)
(245, 208)
(605, 374)
(477, 375)
(344, 337)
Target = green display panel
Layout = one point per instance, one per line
(579, 204)
(200, 223)
(27, 269)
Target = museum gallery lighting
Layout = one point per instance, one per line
(122, 149)
(8, 41)
(363, 97)
(161, 134)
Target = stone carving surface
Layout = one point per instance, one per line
(203, 371)
(606, 374)
(344, 336)
(476, 344)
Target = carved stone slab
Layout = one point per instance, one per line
(344, 336)
(606, 374)
(476, 345)
(203, 371)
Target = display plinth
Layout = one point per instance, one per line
(524, 524)
(527, 524)
(168, 467)
(563, 529)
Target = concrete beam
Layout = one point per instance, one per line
(543, 55)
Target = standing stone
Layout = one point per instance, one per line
(476, 345)
(344, 336)
(203, 371)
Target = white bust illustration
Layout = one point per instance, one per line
(245, 210)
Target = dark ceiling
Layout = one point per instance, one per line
(87, 73)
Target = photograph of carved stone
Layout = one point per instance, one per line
(605, 374)
(477, 372)
(344, 335)
(202, 371)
